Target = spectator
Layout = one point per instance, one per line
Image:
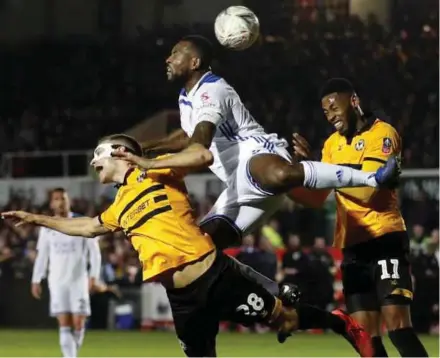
(271, 233)
(296, 264)
(323, 271)
(419, 240)
(425, 269)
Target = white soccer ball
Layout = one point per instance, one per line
(237, 27)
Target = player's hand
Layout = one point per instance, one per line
(92, 284)
(36, 290)
(301, 148)
(19, 217)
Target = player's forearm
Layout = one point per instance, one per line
(310, 198)
(68, 226)
(176, 141)
(195, 156)
(95, 259)
(40, 266)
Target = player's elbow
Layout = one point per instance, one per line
(206, 158)
(91, 231)
(200, 155)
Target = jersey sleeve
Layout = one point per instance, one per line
(42, 259)
(385, 142)
(94, 258)
(108, 219)
(211, 104)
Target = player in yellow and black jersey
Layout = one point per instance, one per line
(369, 229)
(203, 285)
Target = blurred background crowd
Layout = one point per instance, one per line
(63, 94)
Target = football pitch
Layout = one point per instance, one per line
(44, 343)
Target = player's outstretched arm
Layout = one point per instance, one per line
(195, 156)
(189, 159)
(84, 226)
(174, 142)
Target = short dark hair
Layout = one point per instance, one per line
(127, 141)
(338, 85)
(56, 190)
(203, 47)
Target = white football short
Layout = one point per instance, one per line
(72, 299)
(243, 202)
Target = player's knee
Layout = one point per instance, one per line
(223, 234)
(78, 325)
(396, 317)
(369, 320)
(65, 320)
(283, 177)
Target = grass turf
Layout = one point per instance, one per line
(42, 343)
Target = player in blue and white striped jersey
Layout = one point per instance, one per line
(66, 258)
(255, 166)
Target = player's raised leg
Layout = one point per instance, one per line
(250, 303)
(276, 175)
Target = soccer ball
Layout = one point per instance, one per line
(237, 27)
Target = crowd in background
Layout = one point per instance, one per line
(63, 94)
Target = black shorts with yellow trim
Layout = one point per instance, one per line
(223, 293)
(377, 273)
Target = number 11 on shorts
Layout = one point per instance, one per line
(395, 269)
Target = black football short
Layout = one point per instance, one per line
(377, 273)
(223, 293)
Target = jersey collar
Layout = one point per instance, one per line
(127, 178)
(208, 77)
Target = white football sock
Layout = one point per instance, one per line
(67, 342)
(318, 175)
(79, 337)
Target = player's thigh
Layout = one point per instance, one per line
(219, 222)
(241, 299)
(229, 220)
(267, 169)
(393, 280)
(59, 302)
(358, 286)
(395, 292)
(80, 299)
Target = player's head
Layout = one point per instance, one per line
(191, 54)
(341, 105)
(59, 201)
(111, 169)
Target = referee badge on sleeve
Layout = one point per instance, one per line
(386, 146)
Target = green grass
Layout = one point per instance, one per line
(14, 343)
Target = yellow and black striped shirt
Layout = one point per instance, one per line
(153, 210)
